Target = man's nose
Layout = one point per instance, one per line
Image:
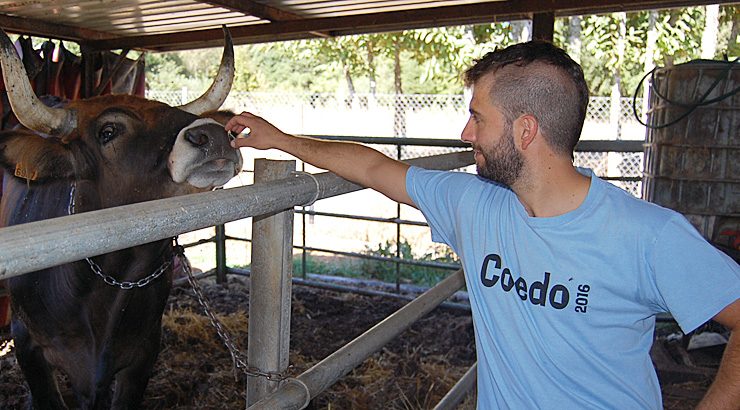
(468, 132)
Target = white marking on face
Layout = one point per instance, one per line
(204, 166)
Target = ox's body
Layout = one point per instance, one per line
(107, 151)
(69, 319)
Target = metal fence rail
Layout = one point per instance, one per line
(296, 393)
(28, 247)
(594, 154)
(39, 245)
(25, 248)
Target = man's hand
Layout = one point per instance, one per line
(261, 134)
(351, 161)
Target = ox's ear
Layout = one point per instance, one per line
(221, 116)
(34, 158)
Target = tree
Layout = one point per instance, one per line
(709, 36)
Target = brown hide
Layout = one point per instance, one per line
(67, 318)
(98, 320)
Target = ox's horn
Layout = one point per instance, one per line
(29, 110)
(216, 95)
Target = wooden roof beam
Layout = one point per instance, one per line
(262, 11)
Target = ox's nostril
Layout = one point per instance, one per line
(196, 138)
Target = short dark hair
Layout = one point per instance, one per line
(552, 88)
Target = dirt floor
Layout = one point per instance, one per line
(414, 371)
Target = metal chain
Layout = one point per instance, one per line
(237, 357)
(110, 280)
(126, 285)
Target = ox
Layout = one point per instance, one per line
(91, 154)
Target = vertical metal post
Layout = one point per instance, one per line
(220, 254)
(398, 232)
(303, 234)
(270, 288)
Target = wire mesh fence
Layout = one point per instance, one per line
(425, 116)
(345, 225)
(390, 115)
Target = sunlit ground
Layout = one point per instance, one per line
(6, 347)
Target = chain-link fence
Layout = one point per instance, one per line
(390, 115)
(426, 116)
(366, 221)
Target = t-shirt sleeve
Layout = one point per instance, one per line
(695, 280)
(438, 195)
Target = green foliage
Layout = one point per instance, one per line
(432, 60)
(728, 43)
(340, 266)
(288, 67)
(165, 71)
(420, 275)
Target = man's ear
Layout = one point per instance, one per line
(528, 128)
(31, 157)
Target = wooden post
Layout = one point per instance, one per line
(88, 82)
(270, 287)
(543, 26)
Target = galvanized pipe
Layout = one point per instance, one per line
(582, 146)
(296, 393)
(220, 254)
(38, 245)
(43, 244)
(461, 389)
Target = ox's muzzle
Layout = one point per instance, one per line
(202, 155)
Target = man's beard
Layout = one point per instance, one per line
(503, 163)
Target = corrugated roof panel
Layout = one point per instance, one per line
(129, 17)
(104, 14)
(192, 24)
(169, 26)
(334, 8)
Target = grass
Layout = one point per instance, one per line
(386, 271)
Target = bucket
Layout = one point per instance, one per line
(4, 305)
(693, 165)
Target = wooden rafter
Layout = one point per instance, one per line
(263, 12)
(252, 8)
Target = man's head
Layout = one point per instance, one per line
(541, 80)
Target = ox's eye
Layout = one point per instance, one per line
(107, 133)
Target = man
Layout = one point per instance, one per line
(565, 272)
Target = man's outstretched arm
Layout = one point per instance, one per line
(351, 161)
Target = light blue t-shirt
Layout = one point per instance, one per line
(564, 307)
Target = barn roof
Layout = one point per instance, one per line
(163, 25)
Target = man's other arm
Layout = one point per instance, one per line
(724, 393)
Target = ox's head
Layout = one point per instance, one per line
(127, 148)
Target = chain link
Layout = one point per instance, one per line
(110, 280)
(237, 357)
(126, 285)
